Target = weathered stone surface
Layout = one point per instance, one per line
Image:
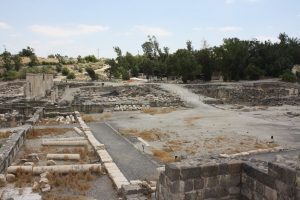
(190, 172)
(210, 170)
(172, 171)
(2, 180)
(10, 178)
(283, 173)
(51, 162)
(198, 183)
(270, 193)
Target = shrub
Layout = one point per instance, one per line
(288, 76)
(253, 72)
(11, 75)
(92, 73)
(71, 75)
(59, 68)
(65, 71)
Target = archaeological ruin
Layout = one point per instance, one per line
(141, 140)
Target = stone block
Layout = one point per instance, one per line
(209, 170)
(177, 187)
(210, 193)
(210, 182)
(131, 189)
(198, 183)
(284, 189)
(162, 179)
(246, 192)
(270, 194)
(190, 195)
(283, 173)
(190, 172)
(234, 191)
(235, 167)
(258, 175)
(173, 172)
(259, 188)
(188, 185)
(223, 168)
(234, 180)
(257, 196)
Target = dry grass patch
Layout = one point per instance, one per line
(77, 182)
(5, 134)
(58, 196)
(189, 121)
(163, 156)
(24, 179)
(36, 133)
(175, 145)
(94, 118)
(148, 135)
(155, 111)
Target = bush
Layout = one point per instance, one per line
(92, 73)
(59, 68)
(65, 71)
(125, 75)
(288, 76)
(10, 75)
(253, 72)
(71, 75)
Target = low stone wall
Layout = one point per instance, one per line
(10, 149)
(210, 181)
(85, 108)
(227, 180)
(279, 182)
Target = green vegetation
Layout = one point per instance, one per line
(288, 76)
(65, 71)
(71, 75)
(234, 60)
(92, 73)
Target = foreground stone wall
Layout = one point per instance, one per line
(10, 149)
(209, 181)
(227, 180)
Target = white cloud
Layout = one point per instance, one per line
(57, 31)
(224, 29)
(267, 38)
(4, 25)
(230, 29)
(151, 30)
(234, 1)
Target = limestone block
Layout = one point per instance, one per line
(10, 178)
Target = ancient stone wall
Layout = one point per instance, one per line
(250, 94)
(37, 85)
(10, 149)
(227, 180)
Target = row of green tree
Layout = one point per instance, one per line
(234, 60)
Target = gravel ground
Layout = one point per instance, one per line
(205, 129)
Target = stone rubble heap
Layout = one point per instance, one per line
(254, 94)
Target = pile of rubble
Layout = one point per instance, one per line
(254, 94)
(66, 120)
(10, 119)
(127, 97)
(130, 107)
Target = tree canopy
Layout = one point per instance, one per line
(234, 60)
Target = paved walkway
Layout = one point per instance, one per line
(132, 163)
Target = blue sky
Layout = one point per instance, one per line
(73, 27)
